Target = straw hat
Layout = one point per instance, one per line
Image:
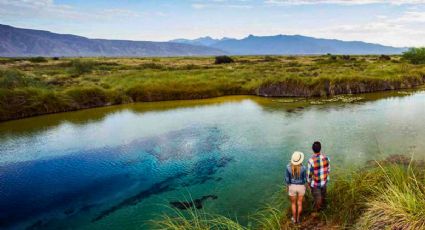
(297, 158)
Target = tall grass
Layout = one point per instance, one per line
(194, 219)
(399, 202)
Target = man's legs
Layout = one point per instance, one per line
(323, 195)
(317, 198)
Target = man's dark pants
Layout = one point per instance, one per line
(319, 196)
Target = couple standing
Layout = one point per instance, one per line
(316, 175)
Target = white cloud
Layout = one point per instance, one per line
(200, 6)
(236, 4)
(49, 9)
(343, 2)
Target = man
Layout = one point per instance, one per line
(318, 169)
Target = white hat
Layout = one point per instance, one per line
(297, 158)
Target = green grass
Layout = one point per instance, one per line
(90, 82)
(382, 195)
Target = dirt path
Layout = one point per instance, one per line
(310, 223)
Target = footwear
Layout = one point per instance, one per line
(293, 221)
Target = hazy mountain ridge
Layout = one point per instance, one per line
(296, 45)
(204, 41)
(16, 42)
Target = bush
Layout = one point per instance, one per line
(346, 57)
(37, 59)
(223, 60)
(415, 55)
(80, 67)
(151, 65)
(55, 58)
(11, 78)
(384, 57)
(270, 59)
(87, 97)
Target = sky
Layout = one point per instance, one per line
(396, 23)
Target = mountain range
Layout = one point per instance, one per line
(17, 42)
(290, 45)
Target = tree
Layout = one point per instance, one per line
(223, 60)
(415, 55)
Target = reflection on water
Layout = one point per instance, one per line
(122, 166)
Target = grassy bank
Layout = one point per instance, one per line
(383, 195)
(37, 86)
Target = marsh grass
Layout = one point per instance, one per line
(125, 80)
(382, 195)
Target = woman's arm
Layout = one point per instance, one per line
(287, 176)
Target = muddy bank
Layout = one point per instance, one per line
(294, 88)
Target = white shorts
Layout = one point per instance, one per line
(294, 189)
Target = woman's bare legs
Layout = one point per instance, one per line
(300, 207)
(294, 207)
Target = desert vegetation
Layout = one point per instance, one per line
(34, 86)
(388, 194)
(415, 55)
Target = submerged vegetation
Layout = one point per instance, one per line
(389, 194)
(35, 86)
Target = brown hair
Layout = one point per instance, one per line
(296, 170)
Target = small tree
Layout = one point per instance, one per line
(223, 60)
(37, 59)
(415, 55)
(384, 57)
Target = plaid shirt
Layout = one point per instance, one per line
(318, 170)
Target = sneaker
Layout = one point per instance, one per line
(293, 220)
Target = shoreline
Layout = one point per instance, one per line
(51, 86)
(276, 96)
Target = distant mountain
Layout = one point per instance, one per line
(203, 41)
(16, 42)
(296, 45)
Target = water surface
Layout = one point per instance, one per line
(119, 167)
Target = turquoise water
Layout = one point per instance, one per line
(120, 167)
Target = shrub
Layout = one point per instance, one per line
(415, 55)
(384, 57)
(223, 60)
(80, 67)
(37, 59)
(19, 103)
(346, 57)
(270, 59)
(10, 78)
(87, 97)
(151, 65)
(55, 58)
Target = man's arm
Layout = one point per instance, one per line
(309, 171)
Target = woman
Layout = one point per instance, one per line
(296, 177)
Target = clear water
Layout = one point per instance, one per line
(119, 167)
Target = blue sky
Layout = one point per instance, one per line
(389, 22)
